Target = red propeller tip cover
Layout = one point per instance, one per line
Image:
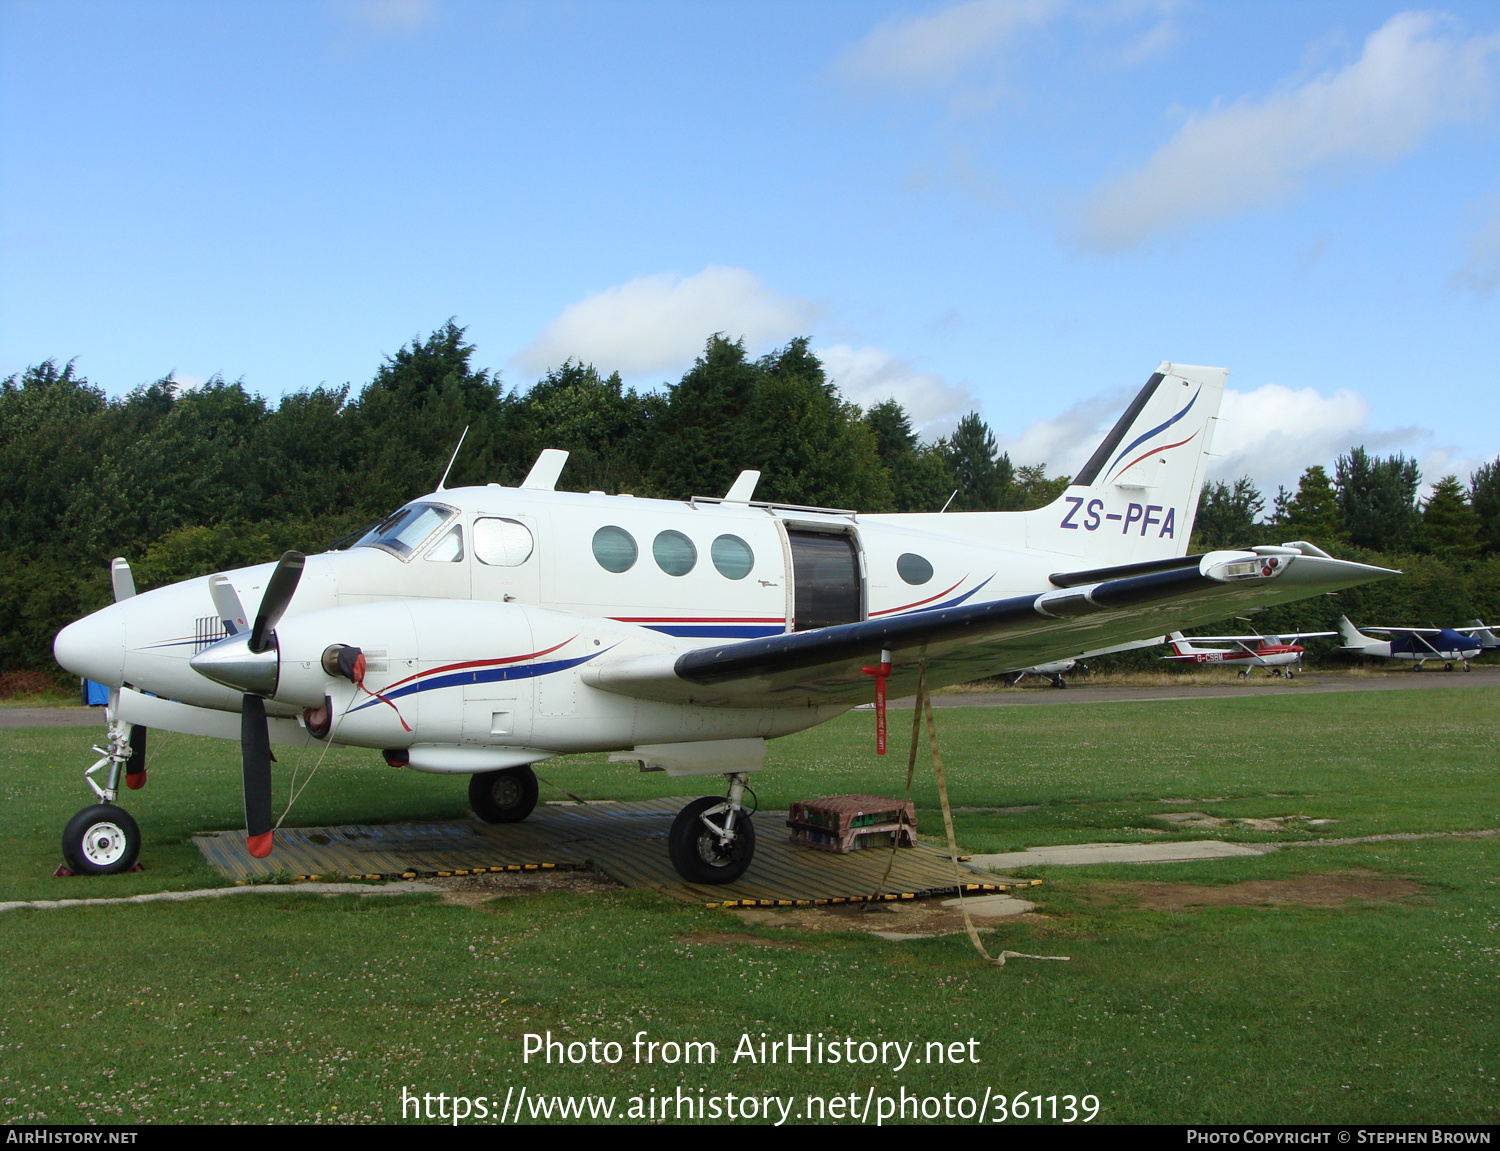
(259, 845)
(135, 782)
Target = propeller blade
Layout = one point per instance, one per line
(227, 604)
(120, 577)
(279, 590)
(255, 757)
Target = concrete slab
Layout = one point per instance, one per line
(1082, 854)
(991, 906)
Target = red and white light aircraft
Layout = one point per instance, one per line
(1280, 653)
(479, 630)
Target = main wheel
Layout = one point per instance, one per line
(101, 840)
(505, 796)
(695, 850)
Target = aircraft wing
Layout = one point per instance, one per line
(1404, 630)
(1284, 636)
(824, 667)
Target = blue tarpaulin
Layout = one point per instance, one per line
(95, 694)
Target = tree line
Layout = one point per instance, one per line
(188, 481)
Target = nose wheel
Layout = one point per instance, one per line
(101, 840)
(712, 839)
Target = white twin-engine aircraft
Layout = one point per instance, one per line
(479, 630)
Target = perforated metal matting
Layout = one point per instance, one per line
(626, 841)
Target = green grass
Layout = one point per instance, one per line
(280, 1007)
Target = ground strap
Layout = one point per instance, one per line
(924, 708)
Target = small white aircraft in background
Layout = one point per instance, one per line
(1478, 629)
(1416, 644)
(1054, 671)
(479, 630)
(1281, 653)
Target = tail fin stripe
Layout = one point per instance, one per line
(1139, 440)
(1153, 451)
(1101, 455)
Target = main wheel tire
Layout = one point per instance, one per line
(505, 796)
(695, 850)
(101, 840)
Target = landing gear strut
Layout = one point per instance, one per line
(103, 839)
(712, 839)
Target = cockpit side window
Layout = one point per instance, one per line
(405, 531)
(448, 549)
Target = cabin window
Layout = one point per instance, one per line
(405, 531)
(449, 549)
(501, 543)
(674, 553)
(913, 568)
(732, 556)
(615, 549)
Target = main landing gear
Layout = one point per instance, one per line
(712, 839)
(103, 839)
(505, 796)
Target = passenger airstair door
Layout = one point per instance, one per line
(826, 582)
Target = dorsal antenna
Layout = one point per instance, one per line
(442, 482)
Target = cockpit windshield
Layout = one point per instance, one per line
(403, 532)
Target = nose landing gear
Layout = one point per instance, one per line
(712, 840)
(103, 839)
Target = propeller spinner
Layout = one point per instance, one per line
(248, 661)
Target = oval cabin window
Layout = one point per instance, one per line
(733, 557)
(674, 553)
(913, 568)
(615, 549)
(501, 543)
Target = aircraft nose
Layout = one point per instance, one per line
(94, 647)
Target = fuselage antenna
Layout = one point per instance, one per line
(940, 510)
(451, 459)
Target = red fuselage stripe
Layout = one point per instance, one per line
(481, 663)
(919, 603)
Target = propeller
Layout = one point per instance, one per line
(240, 661)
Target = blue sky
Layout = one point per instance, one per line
(1014, 205)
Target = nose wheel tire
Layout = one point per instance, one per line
(698, 854)
(101, 840)
(506, 796)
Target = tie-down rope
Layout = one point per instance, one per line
(923, 710)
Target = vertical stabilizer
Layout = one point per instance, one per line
(1136, 498)
(1353, 637)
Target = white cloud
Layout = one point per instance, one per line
(1412, 77)
(869, 376)
(1066, 442)
(919, 50)
(1481, 271)
(1275, 433)
(388, 16)
(660, 323)
(1272, 434)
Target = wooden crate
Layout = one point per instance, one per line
(845, 823)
